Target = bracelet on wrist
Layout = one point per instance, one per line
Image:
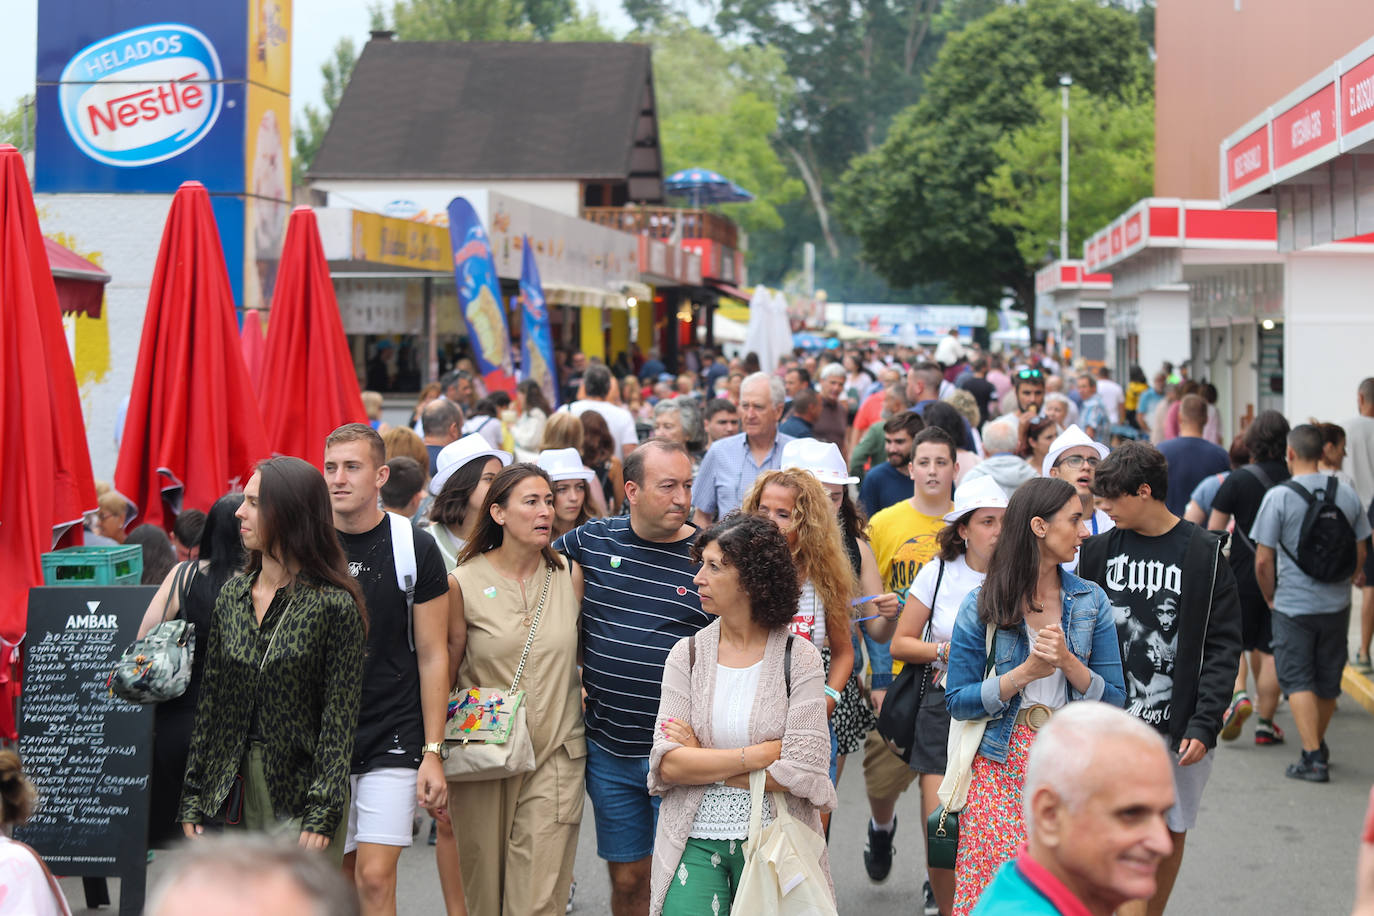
(743, 765)
(832, 693)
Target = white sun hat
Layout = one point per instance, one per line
(822, 459)
(564, 464)
(979, 493)
(1072, 437)
(456, 454)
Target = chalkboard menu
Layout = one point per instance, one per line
(89, 753)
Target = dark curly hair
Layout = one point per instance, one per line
(754, 546)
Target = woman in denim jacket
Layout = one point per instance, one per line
(1054, 642)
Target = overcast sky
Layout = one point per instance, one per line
(328, 20)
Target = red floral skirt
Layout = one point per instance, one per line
(990, 826)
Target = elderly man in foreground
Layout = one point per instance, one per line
(1097, 786)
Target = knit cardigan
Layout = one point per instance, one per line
(799, 720)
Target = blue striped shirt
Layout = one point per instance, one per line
(728, 471)
(638, 602)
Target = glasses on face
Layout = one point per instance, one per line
(1030, 373)
(1077, 461)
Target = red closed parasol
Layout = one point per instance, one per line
(254, 346)
(193, 431)
(309, 383)
(45, 479)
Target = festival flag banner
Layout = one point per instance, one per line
(536, 337)
(479, 296)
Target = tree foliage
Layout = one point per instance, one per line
(920, 203)
(17, 125)
(308, 136)
(1111, 166)
(718, 107)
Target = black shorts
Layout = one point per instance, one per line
(932, 733)
(1256, 625)
(1310, 652)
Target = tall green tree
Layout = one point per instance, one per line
(309, 132)
(920, 203)
(1111, 166)
(718, 108)
(855, 63)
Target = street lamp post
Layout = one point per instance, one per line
(1065, 81)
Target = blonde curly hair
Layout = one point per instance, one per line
(818, 553)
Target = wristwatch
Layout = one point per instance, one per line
(436, 747)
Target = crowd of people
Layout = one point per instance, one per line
(710, 581)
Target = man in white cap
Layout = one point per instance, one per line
(1074, 457)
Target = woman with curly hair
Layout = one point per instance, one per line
(795, 501)
(741, 695)
(599, 454)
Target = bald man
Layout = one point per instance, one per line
(1098, 784)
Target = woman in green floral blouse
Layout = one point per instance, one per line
(283, 674)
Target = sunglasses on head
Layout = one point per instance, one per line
(1030, 373)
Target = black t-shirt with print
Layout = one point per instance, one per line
(390, 724)
(1144, 582)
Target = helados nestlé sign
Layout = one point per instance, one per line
(143, 95)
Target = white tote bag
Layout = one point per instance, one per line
(965, 735)
(782, 863)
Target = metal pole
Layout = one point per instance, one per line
(1065, 81)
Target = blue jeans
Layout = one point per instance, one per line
(626, 814)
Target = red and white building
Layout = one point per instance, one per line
(1070, 307)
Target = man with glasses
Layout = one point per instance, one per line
(731, 465)
(1074, 457)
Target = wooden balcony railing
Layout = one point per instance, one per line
(660, 223)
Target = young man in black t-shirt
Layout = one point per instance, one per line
(1238, 499)
(1178, 619)
(398, 747)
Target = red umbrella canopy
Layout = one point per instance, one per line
(309, 383)
(193, 430)
(45, 479)
(253, 346)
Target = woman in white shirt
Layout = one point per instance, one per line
(26, 885)
(532, 412)
(922, 637)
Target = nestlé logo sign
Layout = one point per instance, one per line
(142, 96)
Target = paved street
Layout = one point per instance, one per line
(1264, 844)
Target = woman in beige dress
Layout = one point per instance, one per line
(517, 837)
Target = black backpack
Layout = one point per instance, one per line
(1326, 545)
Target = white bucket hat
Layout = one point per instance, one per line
(564, 464)
(978, 493)
(1072, 437)
(822, 459)
(456, 454)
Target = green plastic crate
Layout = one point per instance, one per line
(94, 566)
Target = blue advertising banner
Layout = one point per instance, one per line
(536, 336)
(140, 96)
(479, 296)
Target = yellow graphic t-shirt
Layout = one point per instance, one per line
(903, 540)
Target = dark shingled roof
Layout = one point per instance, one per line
(420, 109)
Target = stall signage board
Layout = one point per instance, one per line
(1306, 127)
(89, 753)
(1248, 159)
(1357, 96)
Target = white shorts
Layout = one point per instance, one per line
(1189, 782)
(382, 810)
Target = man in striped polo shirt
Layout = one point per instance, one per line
(638, 601)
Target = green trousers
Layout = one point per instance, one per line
(259, 817)
(706, 878)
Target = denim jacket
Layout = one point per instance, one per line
(1089, 631)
